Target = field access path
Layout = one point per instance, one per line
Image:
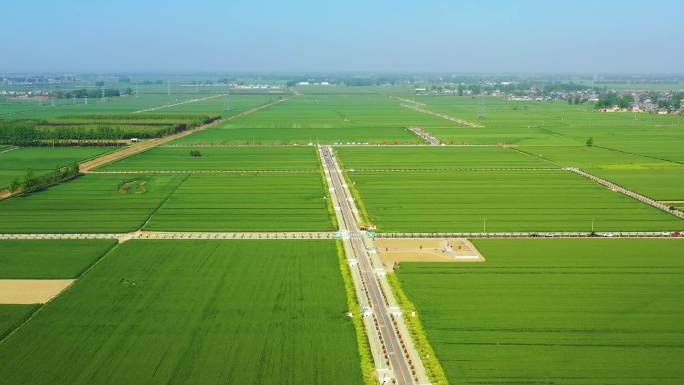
(180, 103)
(394, 355)
(85, 167)
(142, 234)
(629, 193)
(420, 107)
(426, 136)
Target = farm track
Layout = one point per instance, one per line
(625, 191)
(180, 103)
(393, 352)
(8, 149)
(319, 235)
(122, 237)
(426, 136)
(538, 234)
(454, 169)
(85, 167)
(413, 105)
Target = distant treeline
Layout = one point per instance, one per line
(92, 93)
(103, 128)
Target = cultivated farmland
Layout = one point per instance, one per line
(12, 316)
(557, 123)
(322, 119)
(496, 201)
(246, 202)
(160, 312)
(359, 158)
(657, 178)
(15, 163)
(91, 203)
(49, 259)
(556, 311)
(220, 159)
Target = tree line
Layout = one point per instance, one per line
(92, 93)
(38, 132)
(32, 183)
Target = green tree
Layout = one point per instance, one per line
(14, 186)
(29, 180)
(590, 142)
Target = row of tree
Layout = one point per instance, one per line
(39, 132)
(32, 183)
(92, 93)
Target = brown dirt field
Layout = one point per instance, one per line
(30, 291)
(396, 250)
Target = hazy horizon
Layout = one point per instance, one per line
(529, 37)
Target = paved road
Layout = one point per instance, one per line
(398, 348)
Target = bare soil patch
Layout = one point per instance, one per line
(30, 291)
(395, 250)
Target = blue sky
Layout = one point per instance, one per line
(372, 35)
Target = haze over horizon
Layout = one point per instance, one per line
(304, 36)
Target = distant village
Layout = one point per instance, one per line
(604, 100)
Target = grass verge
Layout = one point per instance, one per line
(433, 368)
(367, 367)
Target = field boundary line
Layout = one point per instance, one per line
(637, 154)
(166, 198)
(179, 103)
(545, 159)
